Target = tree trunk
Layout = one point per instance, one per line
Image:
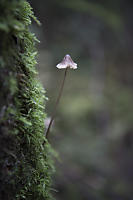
(25, 164)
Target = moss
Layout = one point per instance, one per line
(25, 164)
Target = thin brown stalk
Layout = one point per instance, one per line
(56, 104)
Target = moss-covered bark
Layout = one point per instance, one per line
(25, 164)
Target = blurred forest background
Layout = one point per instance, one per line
(93, 130)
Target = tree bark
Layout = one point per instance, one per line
(25, 164)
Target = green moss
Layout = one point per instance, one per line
(25, 164)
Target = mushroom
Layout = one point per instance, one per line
(66, 63)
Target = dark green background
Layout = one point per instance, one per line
(93, 129)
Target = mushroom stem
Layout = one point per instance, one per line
(56, 104)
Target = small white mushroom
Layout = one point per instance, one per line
(67, 62)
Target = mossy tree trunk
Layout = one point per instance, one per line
(25, 164)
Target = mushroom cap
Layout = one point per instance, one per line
(67, 62)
